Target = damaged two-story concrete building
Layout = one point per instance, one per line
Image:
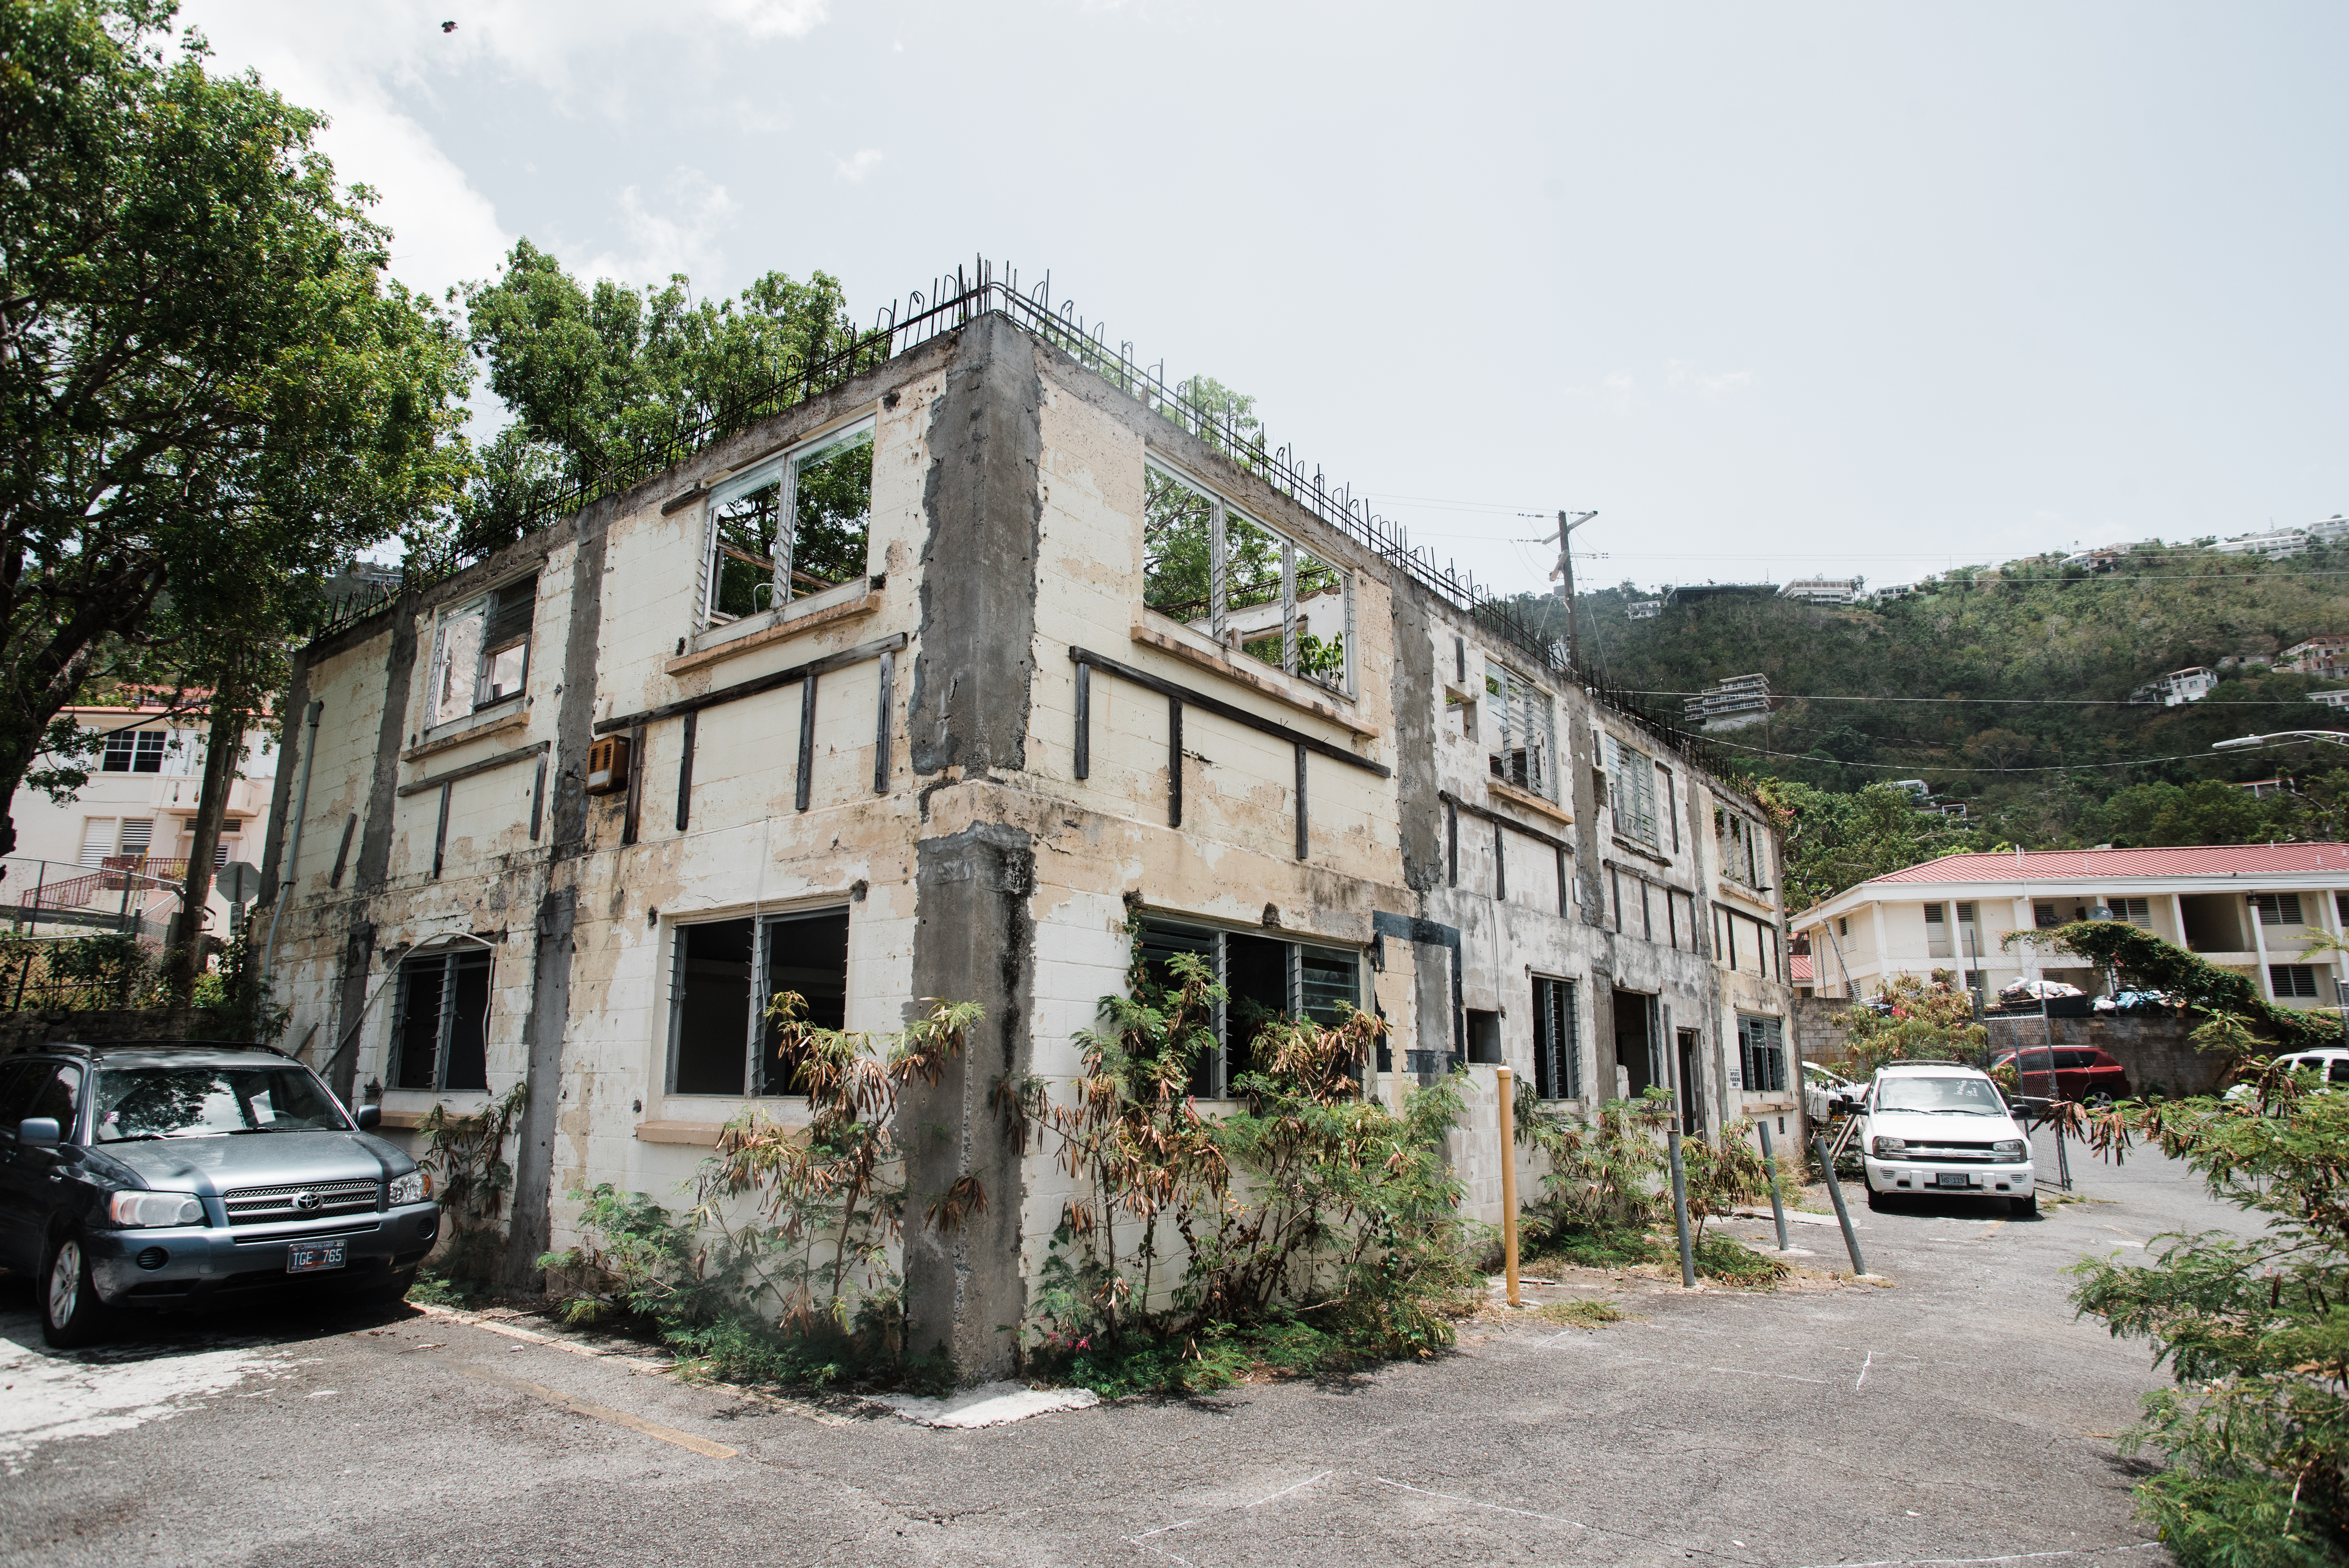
(934, 681)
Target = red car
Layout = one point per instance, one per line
(2080, 1073)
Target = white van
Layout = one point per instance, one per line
(1943, 1129)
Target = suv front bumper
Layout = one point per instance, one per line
(2009, 1180)
(185, 1265)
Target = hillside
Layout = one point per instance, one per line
(2006, 690)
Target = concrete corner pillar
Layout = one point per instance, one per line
(974, 941)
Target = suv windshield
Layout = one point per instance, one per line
(191, 1102)
(1970, 1096)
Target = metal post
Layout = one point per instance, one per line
(1843, 1215)
(1507, 1083)
(1778, 1204)
(1680, 1198)
(41, 880)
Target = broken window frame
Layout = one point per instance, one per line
(1762, 1053)
(1211, 1077)
(1739, 837)
(1557, 1037)
(448, 966)
(1297, 658)
(506, 617)
(760, 1080)
(1631, 794)
(1520, 708)
(786, 596)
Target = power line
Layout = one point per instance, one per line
(1942, 767)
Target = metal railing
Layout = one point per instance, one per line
(956, 300)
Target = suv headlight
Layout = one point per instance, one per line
(140, 1211)
(2009, 1148)
(412, 1188)
(1891, 1148)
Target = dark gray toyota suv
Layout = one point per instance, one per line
(157, 1175)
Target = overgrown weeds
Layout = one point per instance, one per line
(785, 1266)
(1579, 1314)
(472, 1178)
(1605, 1196)
(1312, 1228)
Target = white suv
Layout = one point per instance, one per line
(1938, 1128)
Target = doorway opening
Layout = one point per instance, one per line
(1635, 1043)
(1692, 1087)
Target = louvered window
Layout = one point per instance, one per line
(1631, 790)
(1557, 1040)
(2278, 908)
(1264, 979)
(1762, 1052)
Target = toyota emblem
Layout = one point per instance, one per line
(307, 1200)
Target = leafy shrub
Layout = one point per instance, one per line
(1314, 1217)
(470, 1176)
(802, 1289)
(2256, 1332)
(1911, 1018)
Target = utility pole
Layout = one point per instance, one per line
(1566, 524)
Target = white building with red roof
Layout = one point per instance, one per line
(2251, 908)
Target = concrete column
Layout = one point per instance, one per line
(1883, 950)
(2177, 913)
(974, 938)
(2260, 943)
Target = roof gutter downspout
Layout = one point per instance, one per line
(294, 840)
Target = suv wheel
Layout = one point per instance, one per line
(71, 1313)
(2026, 1207)
(1877, 1201)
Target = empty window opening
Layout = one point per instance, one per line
(1762, 1052)
(1484, 1037)
(1557, 1040)
(1521, 743)
(134, 751)
(1738, 838)
(1264, 980)
(441, 1023)
(790, 527)
(481, 652)
(1632, 791)
(1242, 585)
(721, 1040)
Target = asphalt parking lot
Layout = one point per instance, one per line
(1960, 1415)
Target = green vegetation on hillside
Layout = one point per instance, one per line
(2007, 692)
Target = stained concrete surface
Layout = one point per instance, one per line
(1962, 1415)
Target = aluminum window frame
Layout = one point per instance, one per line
(1632, 772)
(783, 468)
(1219, 614)
(1218, 1064)
(447, 960)
(1521, 705)
(484, 606)
(763, 922)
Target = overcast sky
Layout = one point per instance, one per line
(1777, 288)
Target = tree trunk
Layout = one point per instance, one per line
(223, 748)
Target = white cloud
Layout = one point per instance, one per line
(1679, 376)
(853, 169)
(684, 238)
(366, 66)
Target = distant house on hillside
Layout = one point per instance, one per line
(1695, 591)
(2271, 544)
(1730, 704)
(1822, 590)
(2179, 687)
(1643, 609)
(2323, 655)
(2250, 908)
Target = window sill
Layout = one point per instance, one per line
(1730, 890)
(1641, 850)
(792, 624)
(478, 725)
(1496, 790)
(1276, 685)
(692, 1134)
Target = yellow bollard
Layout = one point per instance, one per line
(1507, 1083)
